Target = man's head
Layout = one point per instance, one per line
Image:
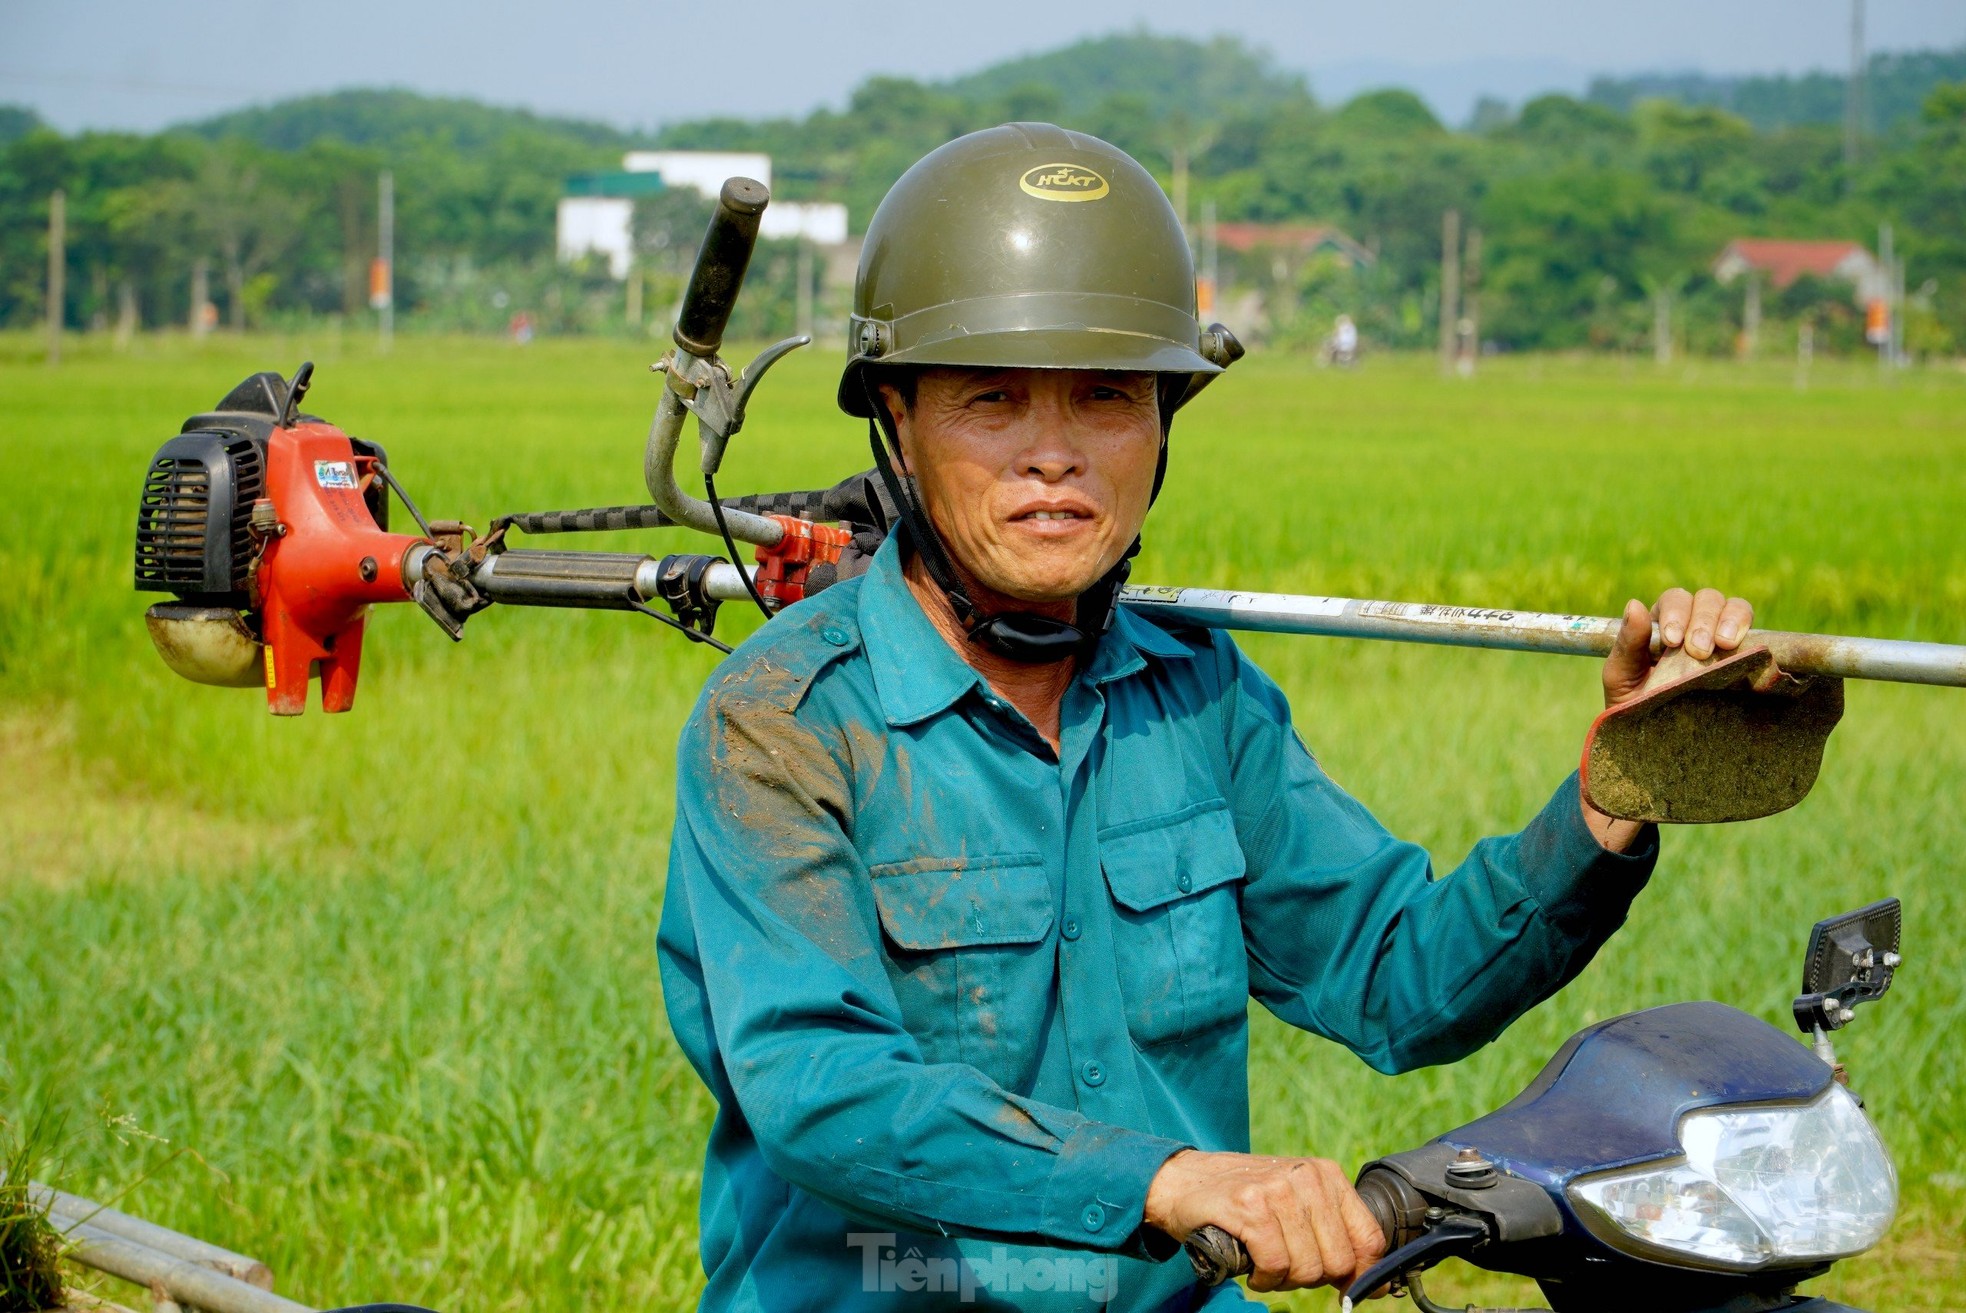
(1036, 480)
(1034, 288)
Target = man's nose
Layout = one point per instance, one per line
(1051, 461)
(1054, 451)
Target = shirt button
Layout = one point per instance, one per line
(1185, 883)
(1093, 1074)
(1070, 929)
(837, 637)
(1094, 1217)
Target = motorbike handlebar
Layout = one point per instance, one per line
(720, 266)
(1218, 1256)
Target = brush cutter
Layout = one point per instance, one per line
(272, 528)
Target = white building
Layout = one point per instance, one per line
(602, 221)
(705, 170)
(820, 222)
(597, 224)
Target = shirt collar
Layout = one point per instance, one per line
(917, 674)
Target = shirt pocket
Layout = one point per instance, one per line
(968, 948)
(1177, 933)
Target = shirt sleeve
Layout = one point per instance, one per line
(1351, 936)
(770, 907)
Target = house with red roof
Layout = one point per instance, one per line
(1779, 261)
(1292, 239)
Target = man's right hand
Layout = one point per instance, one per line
(1299, 1218)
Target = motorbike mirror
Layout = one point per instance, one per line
(1850, 960)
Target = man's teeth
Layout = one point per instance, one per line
(1053, 515)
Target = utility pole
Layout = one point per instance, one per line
(1450, 286)
(1898, 356)
(1662, 326)
(57, 270)
(1887, 262)
(1180, 196)
(1853, 90)
(1470, 325)
(803, 304)
(382, 274)
(126, 314)
(201, 298)
(1751, 317)
(1211, 259)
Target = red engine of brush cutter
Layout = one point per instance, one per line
(324, 561)
(272, 529)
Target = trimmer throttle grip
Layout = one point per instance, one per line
(720, 265)
(602, 581)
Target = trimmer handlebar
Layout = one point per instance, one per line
(720, 265)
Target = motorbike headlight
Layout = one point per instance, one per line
(1757, 1186)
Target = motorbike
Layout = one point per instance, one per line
(1688, 1158)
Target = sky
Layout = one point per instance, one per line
(142, 64)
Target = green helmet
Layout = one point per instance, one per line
(1029, 246)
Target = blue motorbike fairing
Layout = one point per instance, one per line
(1614, 1094)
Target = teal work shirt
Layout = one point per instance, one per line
(959, 997)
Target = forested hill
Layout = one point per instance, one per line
(1592, 214)
(1147, 76)
(1896, 86)
(1171, 76)
(1137, 75)
(389, 117)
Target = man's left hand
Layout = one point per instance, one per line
(1701, 625)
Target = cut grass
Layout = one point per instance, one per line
(30, 1251)
(393, 973)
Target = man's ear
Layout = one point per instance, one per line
(898, 411)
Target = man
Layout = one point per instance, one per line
(1344, 342)
(974, 874)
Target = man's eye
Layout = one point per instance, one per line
(993, 396)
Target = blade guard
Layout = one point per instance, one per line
(1733, 739)
(323, 564)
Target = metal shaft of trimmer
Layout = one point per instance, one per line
(608, 580)
(1528, 631)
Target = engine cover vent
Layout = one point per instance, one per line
(192, 536)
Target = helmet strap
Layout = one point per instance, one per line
(1016, 635)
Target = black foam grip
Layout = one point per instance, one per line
(857, 500)
(720, 265)
(1217, 1256)
(592, 520)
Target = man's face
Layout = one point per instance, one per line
(1037, 480)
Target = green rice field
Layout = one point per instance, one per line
(374, 997)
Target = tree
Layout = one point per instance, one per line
(227, 209)
(1565, 247)
(1391, 114)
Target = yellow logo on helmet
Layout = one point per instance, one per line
(1063, 182)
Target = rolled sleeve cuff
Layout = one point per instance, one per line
(1098, 1191)
(1581, 885)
